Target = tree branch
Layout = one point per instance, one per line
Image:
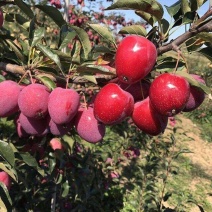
(12, 68)
(174, 45)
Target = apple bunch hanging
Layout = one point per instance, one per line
(42, 111)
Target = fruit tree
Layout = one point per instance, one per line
(86, 95)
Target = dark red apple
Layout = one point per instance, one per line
(63, 105)
(33, 101)
(112, 104)
(9, 93)
(88, 127)
(31, 126)
(139, 90)
(5, 178)
(1, 17)
(135, 58)
(147, 119)
(196, 96)
(169, 94)
(60, 129)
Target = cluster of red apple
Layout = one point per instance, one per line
(168, 94)
(149, 105)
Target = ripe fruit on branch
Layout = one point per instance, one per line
(135, 58)
(147, 119)
(33, 101)
(88, 127)
(1, 17)
(9, 92)
(169, 94)
(63, 105)
(139, 90)
(5, 178)
(112, 104)
(55, 143)
(60, 129)
(196, 96)
(31, 126)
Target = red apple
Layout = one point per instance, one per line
(196, 96)
(169, 94)
(88, 127)
(112, 104)
(5, 178)
(1, 17)
(33, 101)
(55, 143)
(60, 129)
(9, 93)
(147, 119)
(139, 90)
(135, 58)
(63, 105)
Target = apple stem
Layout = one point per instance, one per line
(178, 58)
(142, 92)
(29, 73)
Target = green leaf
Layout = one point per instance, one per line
(3, 207)
(7, 153)
(194, 82)
(196, 4)
(189, 17)
(68, 38)
(93, 69)
(31, 161)
(149, 6)
(104, 32)
(84, 40)
(185, 6)
(164, 25)
(173, 9)
(11, 172)
(50, 54)
(38, 34)
(16, 50)
(90, 78)
(49, 83)
(69, 141)
(65, 189)
(205, 36)
(5, 196)
(147, 17)
(133, 29)
(206, 52)
(53, 13)
(24, 8)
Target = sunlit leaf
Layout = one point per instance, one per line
(90, 78)
(53, 13)
(104, 32)
(134, 29)
(84, 40)
(50, 54)
(11, 172)
(25, 8)
(94, 69)
(38, 34)
(207, 37)
(7, 153)
(147, 17)
(173, 9)
(68, 38)
(185, 6)
(194, 82)
(149, 6)
(65, 188)
(49, 83)
(206, 52)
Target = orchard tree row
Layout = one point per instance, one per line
(73, 78)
